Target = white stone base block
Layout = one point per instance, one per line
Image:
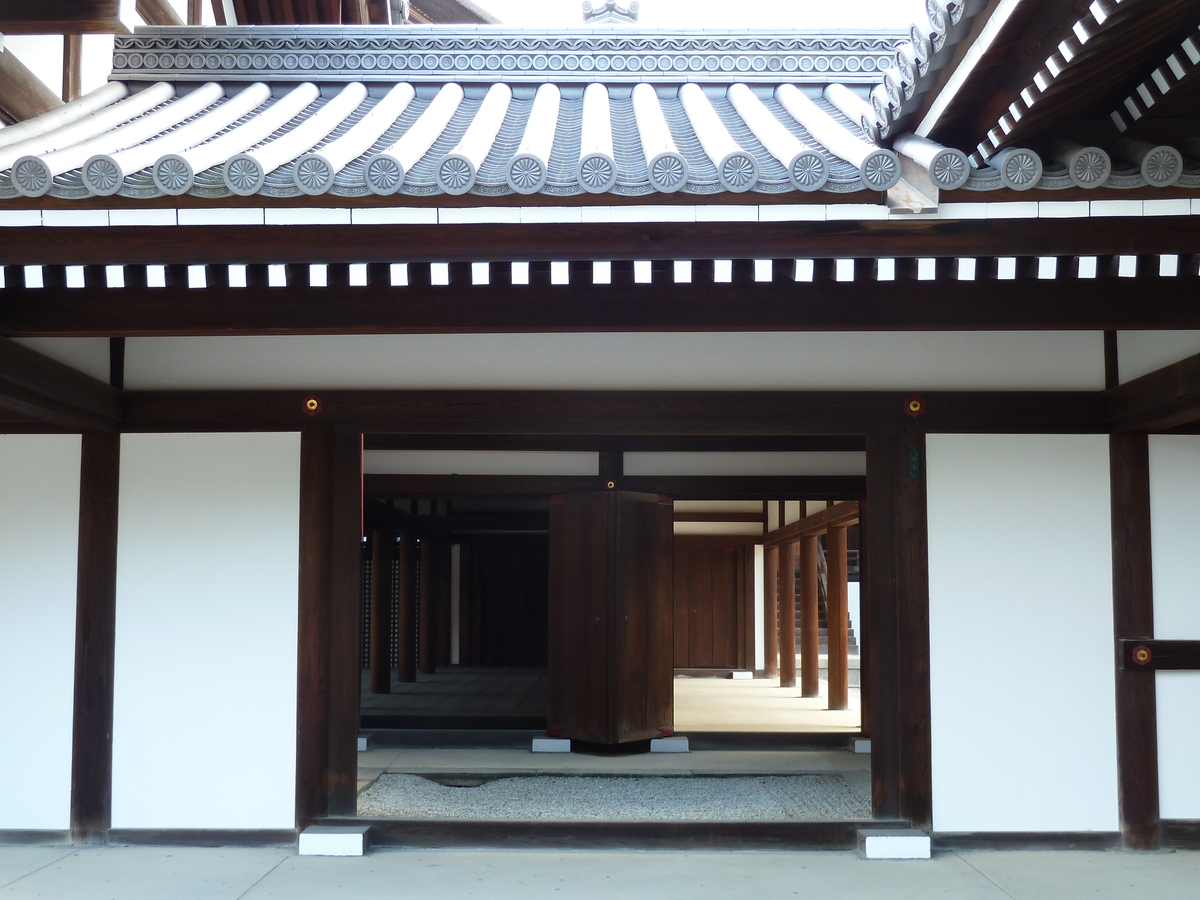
(670, 745)
(741, 675)
(862, 746)
(335, 840)
(364, 742)
(551, 745)
(893, 843)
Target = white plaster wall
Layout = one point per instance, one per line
(1141, 352)
(39, 545)
(760, 600)
(679, 361)
(204, 720)
(1020, 597)
(1175, 543)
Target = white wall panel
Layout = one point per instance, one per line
(1021, 671)
(1139, 352)
(39, 544)
(735, 361)
(1175, 542)
(480, 462)
(204, 721)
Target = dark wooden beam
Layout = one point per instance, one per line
(95, 632)
(46, 390)
(303, 244)
(612, 444)
(1133, 621)
(22, 95)
(1160, 400)
(1139, 655)
(158, 12)
(617, 413)
(1026, 303)
(840, 515)
(896, 608)
(61, 17)
(693, 487)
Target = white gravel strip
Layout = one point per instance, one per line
(763, 798)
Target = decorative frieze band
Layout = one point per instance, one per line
(439, 53)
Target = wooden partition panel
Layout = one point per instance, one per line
(610, 617)
(710, 605)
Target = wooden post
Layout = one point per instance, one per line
(382, 545)
(95, 630)
(406, 612)
(426, 609)
(837, 616)
(72, 85)
(771, 610)
(327, 660)
(896, 604)
(1133, 618)
(787, 615)
(810, 616)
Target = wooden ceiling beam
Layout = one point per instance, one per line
(50, 392)
(844, 513)
(1106, 303)
(158, 12)
(22, 94)
(615, 413)
(61, 17)
(686, 487)
(643, 443)
(303, 244)
(1164, 399)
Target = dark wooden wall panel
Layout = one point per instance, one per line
(95, 632)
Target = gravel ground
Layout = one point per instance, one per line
(769, 798)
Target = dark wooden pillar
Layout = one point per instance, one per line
(382, 549)
(426, 608)
(406, 611)
(1133, 618)
(328, 667)
(771, 610)
(837, 616)
(95, 631)
(810, 616)
(787, 615)
(443, 564)
(896, 601)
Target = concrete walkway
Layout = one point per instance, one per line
(155, 873)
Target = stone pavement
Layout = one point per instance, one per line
(186, 873)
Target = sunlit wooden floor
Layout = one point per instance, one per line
(758, 705)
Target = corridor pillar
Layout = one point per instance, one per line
(837, 616)
(787, 615)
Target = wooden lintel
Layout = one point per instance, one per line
(48, 391)
(683, 487)
(1160, 400)
(1159, 656)
(842, 514)
(907, 237)
(1025, 303)
(604, 414)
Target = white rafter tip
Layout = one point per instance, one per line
(358, 275)
(601, 272)
(723, 271)
(439, 274)
(481, 273)
(643, 271)
(520, 273)
(560, 272)
(683, 271)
